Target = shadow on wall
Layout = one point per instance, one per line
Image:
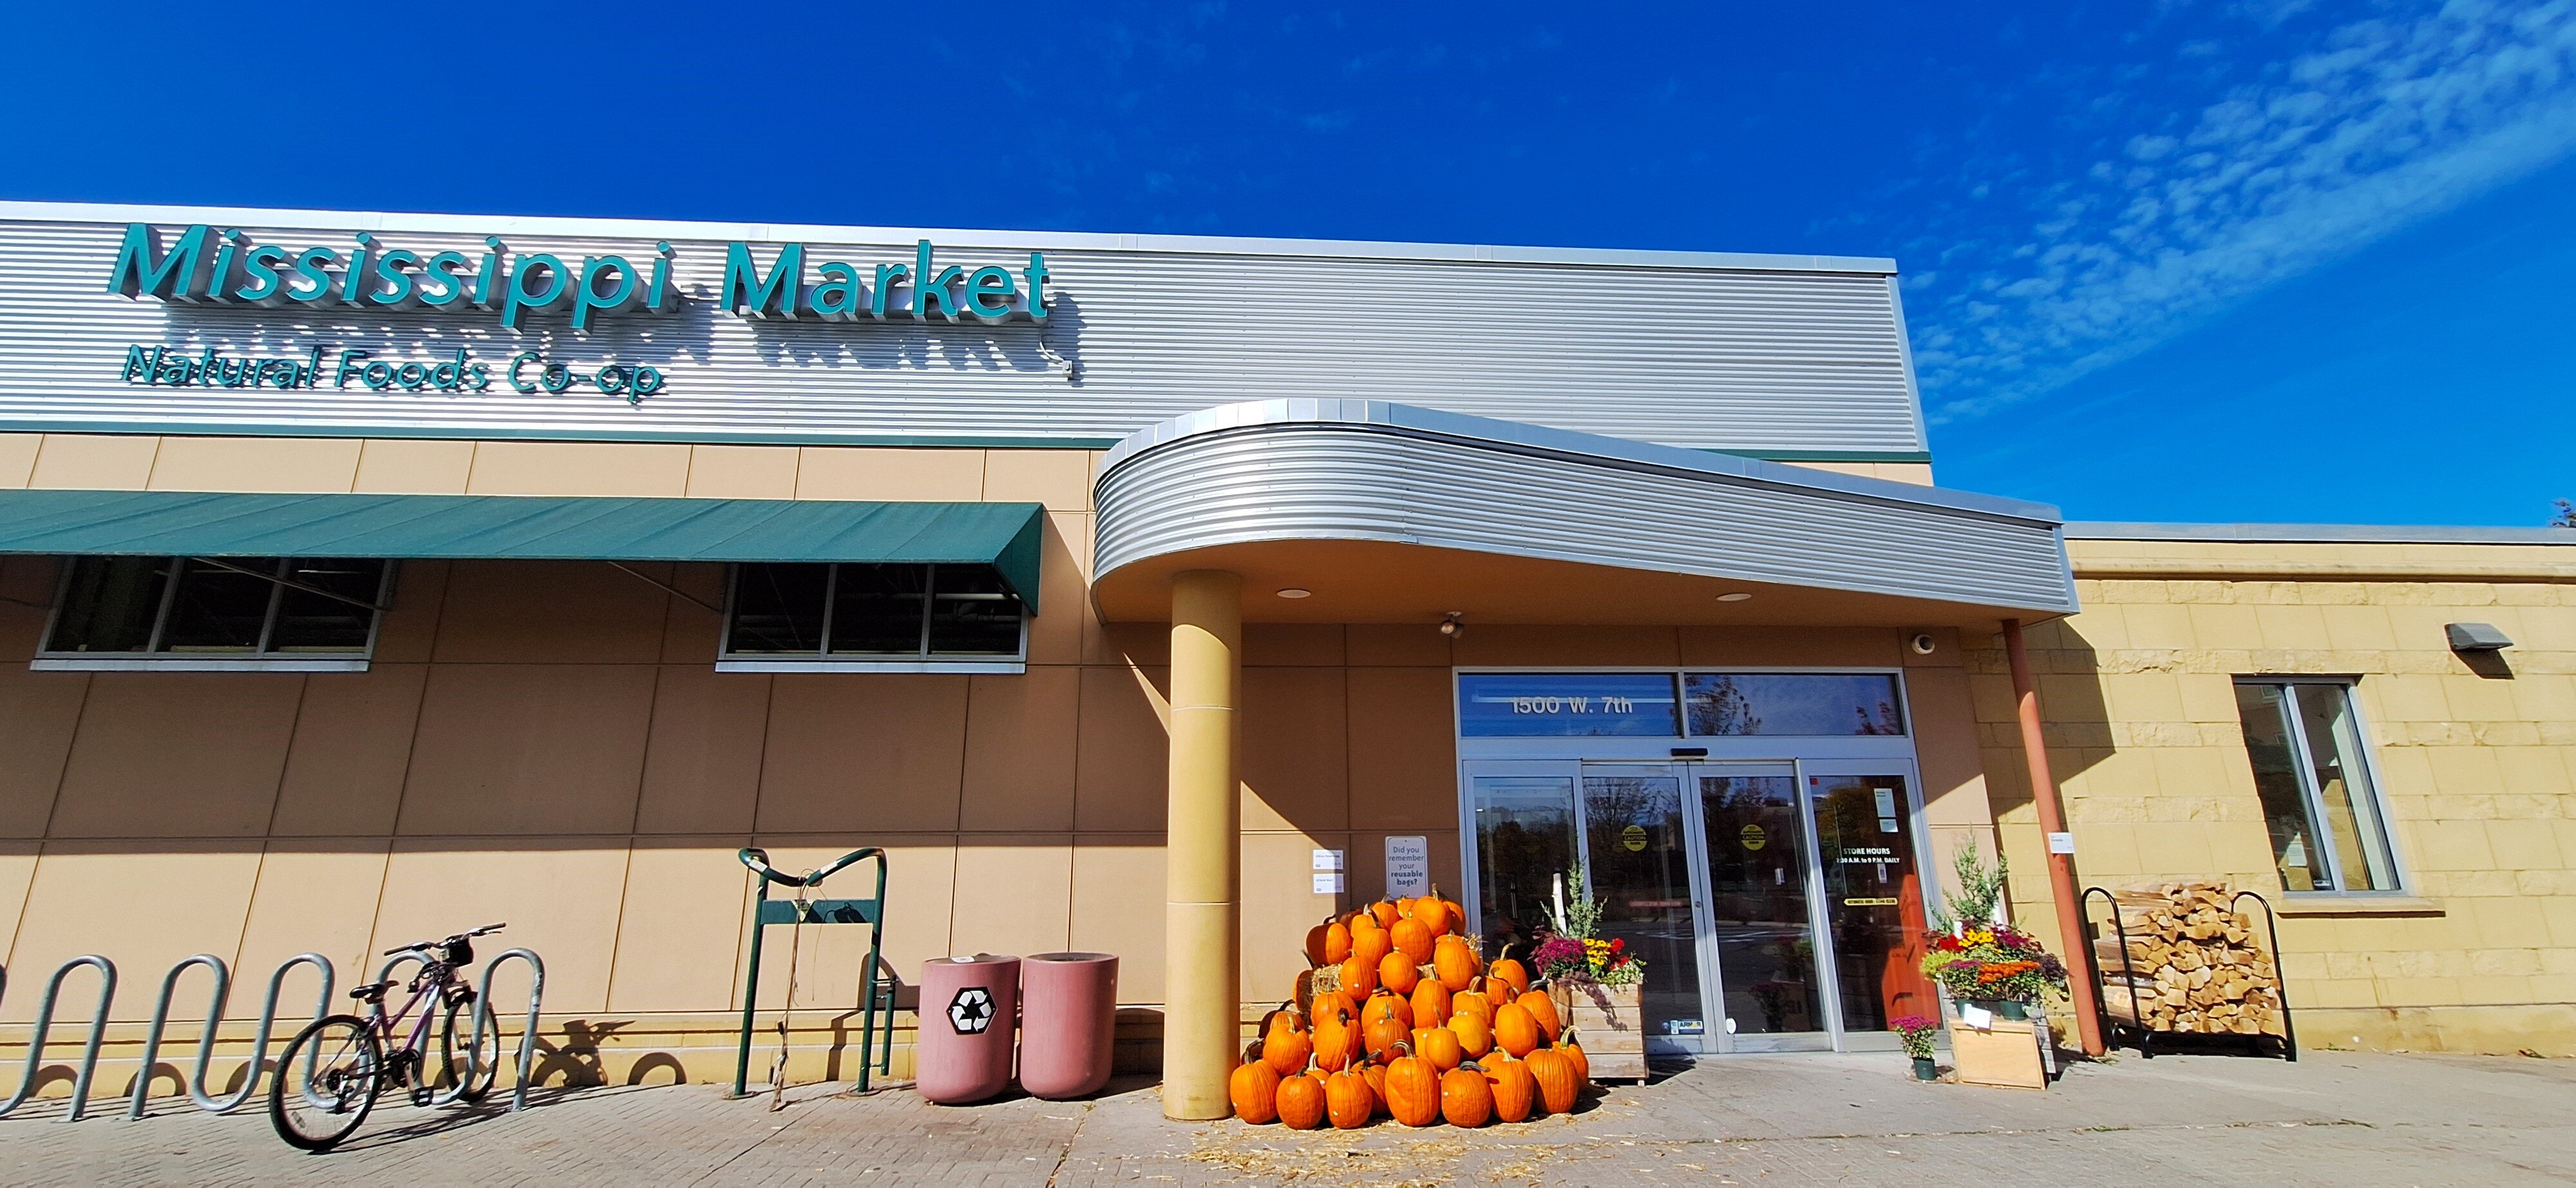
(2075, 722)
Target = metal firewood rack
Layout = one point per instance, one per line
(2145, 1038)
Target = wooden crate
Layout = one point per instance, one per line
(1607, 1021)
(2007, 1055)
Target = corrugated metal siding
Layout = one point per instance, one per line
(1708, 358)
(1372, 482)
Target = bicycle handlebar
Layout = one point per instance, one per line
(424, 946)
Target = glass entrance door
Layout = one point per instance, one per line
(1761, 924)
(1638, 860)
(1777, 905)
(1873, 892)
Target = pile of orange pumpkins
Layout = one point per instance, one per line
(1404, 1020)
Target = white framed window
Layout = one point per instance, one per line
(216, 614)
(855, 617)
(2321, 802)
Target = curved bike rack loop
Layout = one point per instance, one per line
(527, 1038)
(44, 1023)
(195, 1085)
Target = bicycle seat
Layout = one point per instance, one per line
(370, 990)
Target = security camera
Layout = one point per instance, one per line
(1922, 643)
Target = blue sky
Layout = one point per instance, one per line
(2257, 260)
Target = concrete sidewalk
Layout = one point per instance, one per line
(2338, 1118)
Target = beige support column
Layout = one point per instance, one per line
(1200, 912)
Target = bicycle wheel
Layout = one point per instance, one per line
(327, 1079)
(455, 1038)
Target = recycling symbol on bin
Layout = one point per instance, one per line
(971, 1011)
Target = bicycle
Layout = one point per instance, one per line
(331, 1073)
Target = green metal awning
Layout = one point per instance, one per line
(525, 527)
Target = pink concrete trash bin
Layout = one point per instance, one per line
(1068, 1025)
(970, 1008)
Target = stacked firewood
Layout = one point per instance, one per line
(2199, 965)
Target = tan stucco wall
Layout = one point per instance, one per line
(546, 743)
(2475, 765)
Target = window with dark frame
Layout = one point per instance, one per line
(2321, 807)
(866, 612)
(249, 608)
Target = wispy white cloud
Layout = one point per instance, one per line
(2373, 125)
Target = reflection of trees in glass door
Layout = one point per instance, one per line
(1639, 861)
(1758, 907)
(1524, 841)
(1873, 897)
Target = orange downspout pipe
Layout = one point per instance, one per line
(2061, 867)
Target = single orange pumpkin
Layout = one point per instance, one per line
(1514, 1031)
(1413, 1090)
(1337, 1041)
(1440, 1046)
(1542, 1010)
(1412, 940)
(1514, 1092)
(1555, 1076)
(1387, 1032)
(1465, 1099)
(1301, 1103)
(1454, 962)
(1285, 1045)
(1359, 975)
(1430, 1003)
(1432, 912)
(1508, 971)
(1475, 1035)
(1375, 1074)
(1349, 1100)
(1254, 1089)
(1396, 972)
(1471, 1002)
(1386, 912)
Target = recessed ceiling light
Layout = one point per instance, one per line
(1733, 596)
(1296, 592)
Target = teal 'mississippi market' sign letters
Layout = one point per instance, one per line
(225, 268)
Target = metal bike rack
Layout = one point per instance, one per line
(875, 992)
(45, 1022)
(483, 1017)
(195, 1085)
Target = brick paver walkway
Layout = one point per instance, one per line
(2334, 1118)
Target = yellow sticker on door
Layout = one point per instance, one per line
(1752, 837)
(1633, 837)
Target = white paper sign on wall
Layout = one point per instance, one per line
(1408, 867)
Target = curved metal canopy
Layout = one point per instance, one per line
(1388, 512)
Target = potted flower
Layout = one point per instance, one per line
(1596, 983)
(1994, 966)
(1917, 1031)
(1980, 962)
(1995, 974)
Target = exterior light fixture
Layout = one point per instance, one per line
(1296, 592)
(2476, 637)
(1449, 624)
(1734, 596)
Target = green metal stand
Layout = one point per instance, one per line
(875, 992)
